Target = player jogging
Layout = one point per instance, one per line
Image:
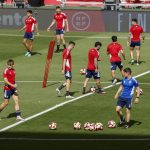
(60, 19)
(114, 49)
(125, 98)
(93, 68)
(134, 41)
(10, 89)
(30, 24)
(66, 69)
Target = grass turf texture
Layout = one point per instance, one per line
(95, 108)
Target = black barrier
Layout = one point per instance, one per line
(79, 20)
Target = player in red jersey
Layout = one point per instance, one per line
(93, 68)
(30, 24)
(134, 40)
(114, 49)
(66, 69)
(60, 19)
(10, 88)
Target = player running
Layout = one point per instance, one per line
(93, 68)
(30, 24)
(60, 19)
(125, 98)
(114, 49)
(134, 40)
(66, 70)
(10, 88)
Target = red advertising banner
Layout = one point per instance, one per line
(52, 2)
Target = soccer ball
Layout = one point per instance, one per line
(82, 71)
(87, 126)
(52, 126)
(111, 124)
(99, 126)
(141, 92)
(77, 125)
(93, 89)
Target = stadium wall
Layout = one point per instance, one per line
(79, 20)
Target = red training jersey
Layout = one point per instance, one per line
(92, 54)
(30, 23)
(136, 31)
(10, 75)
(67, 55)
(113, 49)
(60, 20)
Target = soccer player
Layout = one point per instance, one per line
(10, 88)
(60, 19)
(93, 68)
(30, 24)
(134, 40)
(125, 98)
(114, 49)
(66, 70)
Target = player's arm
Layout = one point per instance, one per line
(67, 25)
(143, 36)
(63, 67)
(96, 64)
(137, 95)
(53, 22)
(37, 29)
(129, 39)
(23, 28)
(123, 54)
(118, 92)
(8, 83)
(108, 50)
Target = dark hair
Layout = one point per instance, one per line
(114, 38)
(10, 62)
(98, 44)
(30, 11)
(71, 42)
(128, 70)
(58, 7)
(134, 20)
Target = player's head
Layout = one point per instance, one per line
(114, 38)
(127, 72)
(134, 21)
(10, 63)
(98, 45)
(58, 9)
(71, 45)
(29, 13)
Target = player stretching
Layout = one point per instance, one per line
(93, 68)
(61, 24)
(30, 23)
(113, 50)
(10, 89)
(125, 98)
(66, 69)
(134, 40)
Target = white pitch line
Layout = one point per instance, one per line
(60, 105)
(48, 139)
(69, 36)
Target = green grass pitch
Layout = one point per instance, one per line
(94, 108)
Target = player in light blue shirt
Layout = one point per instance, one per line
(125, 95)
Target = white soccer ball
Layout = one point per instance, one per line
(77, 125)
(111, 124)
(87, 126)
(82, 71)
(99, 126)
(52, 126)
(141, 92)
(93, 89)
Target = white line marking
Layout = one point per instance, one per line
(60, 105)
(44, 139)
(74, 36)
